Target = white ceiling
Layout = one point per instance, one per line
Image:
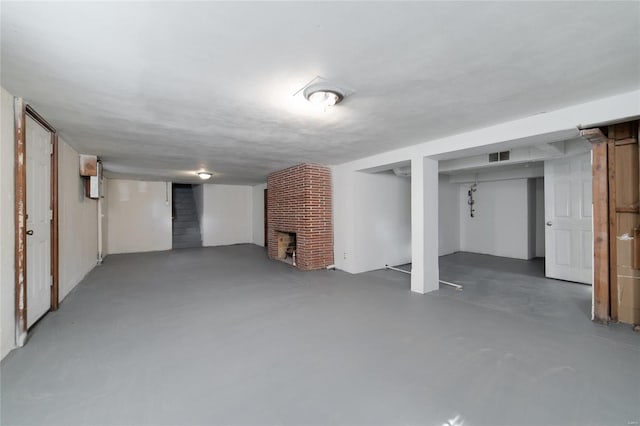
(160, 90)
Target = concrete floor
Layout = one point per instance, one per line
(225, 336)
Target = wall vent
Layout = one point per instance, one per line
(498, 156)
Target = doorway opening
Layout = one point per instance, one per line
(531, 210)
(535, 206)
(186, 214)
(36, 218)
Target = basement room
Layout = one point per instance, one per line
(491, 220)
(313, 213)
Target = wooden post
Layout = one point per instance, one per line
(623, 211)
(613, 229)
(601, 291)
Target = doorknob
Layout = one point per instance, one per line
(549, 223)
(30, 232)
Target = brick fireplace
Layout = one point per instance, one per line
(299, 203)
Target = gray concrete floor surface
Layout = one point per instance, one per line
(224, 336)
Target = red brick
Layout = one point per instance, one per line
(299, 200)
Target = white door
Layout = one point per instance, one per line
(568, 218)
(38, 150)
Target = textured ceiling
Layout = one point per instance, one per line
(160, 90)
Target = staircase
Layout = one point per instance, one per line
(186, 228)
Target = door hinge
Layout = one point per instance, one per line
(50, 214)
(50, 280)
(51, 148)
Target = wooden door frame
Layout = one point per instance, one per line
(21, 111)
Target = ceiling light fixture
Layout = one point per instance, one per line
(322, 94)
(204, 175)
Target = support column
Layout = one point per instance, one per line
(601, 304)
(424, 225)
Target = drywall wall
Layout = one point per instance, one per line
(138, 216)
(258, 213)
(535, 205)
(539, 219)
(343, 207)
(78, 223)
(7, 229)
(449, 211)
(227, 215)
(501, 223)
(531, 218)
(380, 222)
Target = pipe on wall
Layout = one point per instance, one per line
(456, 286)
(99, 261)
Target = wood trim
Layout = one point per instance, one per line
(622, 131)
(44, 123)
(628, 141)
(594, 136)
(19, 110)
(636, 248)
(55, 270)
(601, 308)
(628, 209)
(613, 229)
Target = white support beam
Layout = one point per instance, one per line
(520, 155)
(553, 126)
(424, 225)
(553, 148)
(492, 175)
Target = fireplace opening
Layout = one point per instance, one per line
(287, 247)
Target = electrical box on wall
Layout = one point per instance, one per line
(93, 183)
(88, 165)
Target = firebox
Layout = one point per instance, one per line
(287, 247)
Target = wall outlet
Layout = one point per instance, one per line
(345, 255)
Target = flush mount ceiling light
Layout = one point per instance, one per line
(323, 95)
(204, 175)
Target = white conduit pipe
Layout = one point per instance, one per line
(397, 269)
(456, 286)
(100, 231)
